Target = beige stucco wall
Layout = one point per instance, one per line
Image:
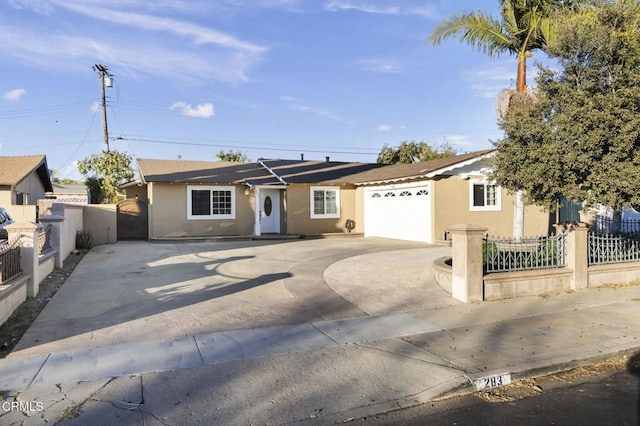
(5, 196)
(22, 213)
(298, 198)
(451, 206)
(135, 190)
(168, 214)
(100, 221)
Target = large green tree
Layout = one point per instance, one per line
(110, 169)
(409, 152)
(579, 136)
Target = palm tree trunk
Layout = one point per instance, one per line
(521, 79)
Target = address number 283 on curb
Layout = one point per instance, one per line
(494, 381)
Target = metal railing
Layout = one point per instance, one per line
(606, 225)
(609, 248)
(504, 255)
(10, 260)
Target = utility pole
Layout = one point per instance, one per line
(104, 74)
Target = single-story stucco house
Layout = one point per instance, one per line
(198, 198)
(416, 202)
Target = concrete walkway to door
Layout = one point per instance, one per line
(137, 291)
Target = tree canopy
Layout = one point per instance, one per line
(410, 152)
(579, 135)
(231, 155)
(108, 171)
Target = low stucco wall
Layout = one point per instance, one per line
(100, 220)
(12, 294)
(617, 273)
(25, 213)
(46, 264)
(442, 273)
(507, 285)
(73, 222)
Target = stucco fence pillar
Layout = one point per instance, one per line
(576, 252)
(28, 234)
(466, 279)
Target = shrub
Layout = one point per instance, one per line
(84, 240)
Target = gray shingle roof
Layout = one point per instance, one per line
(300, 171)
(291, 171)
(202, 172)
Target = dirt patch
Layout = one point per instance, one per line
(536, 385)
(14, 328)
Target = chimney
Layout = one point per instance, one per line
(302, 157)
(327, 158)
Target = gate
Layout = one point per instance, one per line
(133, 220)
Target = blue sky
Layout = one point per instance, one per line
(270, 78)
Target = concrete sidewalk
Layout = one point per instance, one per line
(322, 371)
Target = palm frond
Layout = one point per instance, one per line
(479, 30)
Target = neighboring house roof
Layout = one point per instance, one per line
(420, 170)
(265, 172)
(14, 170)
(70, 194)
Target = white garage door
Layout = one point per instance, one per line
(401, 212)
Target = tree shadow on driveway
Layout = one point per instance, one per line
(101, 305)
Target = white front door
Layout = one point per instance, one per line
(269, 211)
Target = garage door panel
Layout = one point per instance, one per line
(401, 212)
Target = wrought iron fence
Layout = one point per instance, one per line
(609, 248)
(606, 225)
(10, 260)
(504, 255)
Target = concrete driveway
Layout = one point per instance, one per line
(137, 291)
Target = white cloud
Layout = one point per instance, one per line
(379, 7)
(14, 95)
(199, 34)
(185, 51)
(380, 66)
(383, 128)
(294, 104)
(200, 111)
(456, 140)
(487, 83)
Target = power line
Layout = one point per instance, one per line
(219, 145)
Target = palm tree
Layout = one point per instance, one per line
(524, 26)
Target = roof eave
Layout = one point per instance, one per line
(442, 170)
